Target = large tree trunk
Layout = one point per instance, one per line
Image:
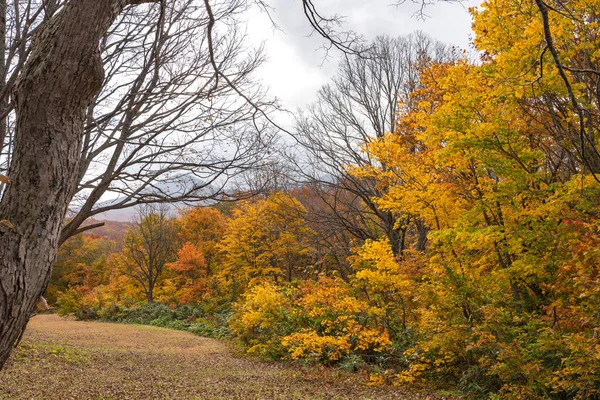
(63, 73)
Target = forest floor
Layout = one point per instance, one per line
(63, 359)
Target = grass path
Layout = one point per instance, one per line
(60, 359)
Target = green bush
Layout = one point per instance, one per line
(196, 319)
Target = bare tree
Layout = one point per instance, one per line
(359, 106)
(338, 225)
(165, 128)
(148, 247)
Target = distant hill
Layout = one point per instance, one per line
(112, 230)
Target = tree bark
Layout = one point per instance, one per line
(3, 100)
(422, 231)
(149, 296)
(60, 78)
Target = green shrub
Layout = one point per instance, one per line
(190, 318)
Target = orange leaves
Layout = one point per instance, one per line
(191, 275)
(190, 259)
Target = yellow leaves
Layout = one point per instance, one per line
(261, 308)
(266, 238)
(332, 347)
(328, 297)
(376, 380)
(310, 345)
(377, 268)
(324, 321)
(372, 339)
(411, 375)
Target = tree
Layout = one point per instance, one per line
(264, 240)
(62, 74)
(358, 107)
(148, 247)
(198, 260)
(203, 227)
(191, 275)
(323, 212)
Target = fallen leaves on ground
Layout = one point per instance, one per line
(62, 359)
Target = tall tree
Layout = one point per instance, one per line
(360, 106)
(59, 79)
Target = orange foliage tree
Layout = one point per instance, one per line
(193, 274)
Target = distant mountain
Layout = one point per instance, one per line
(121, 215)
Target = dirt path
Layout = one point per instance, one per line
(61, 359)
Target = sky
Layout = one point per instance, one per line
(295, 67)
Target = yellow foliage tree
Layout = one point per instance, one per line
(266, 239)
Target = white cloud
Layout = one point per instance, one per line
(295, 69)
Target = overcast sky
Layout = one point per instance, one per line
(295, 69)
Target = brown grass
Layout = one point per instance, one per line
(61, 359)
